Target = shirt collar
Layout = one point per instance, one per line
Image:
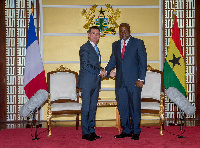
(126, 42)
(92, 43)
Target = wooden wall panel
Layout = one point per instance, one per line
(2, 61)
(197, 53)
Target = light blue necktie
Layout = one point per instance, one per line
(97, 50)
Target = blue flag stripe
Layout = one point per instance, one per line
(31, 32)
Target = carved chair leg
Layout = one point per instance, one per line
(161, 125)
(117, 120)
(161, 115)
(49, 128)
(49, 124)
(49, 115)
(77, 121)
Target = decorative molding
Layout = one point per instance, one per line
(149, 68)
(75, 62)
(85, 34)
(109, 103)
(62, 68)
(99, 6)
(107, 89)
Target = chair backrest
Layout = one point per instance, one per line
(153, 84)
(62, 84)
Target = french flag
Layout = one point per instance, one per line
(35, 85)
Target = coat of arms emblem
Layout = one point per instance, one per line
(106, 22)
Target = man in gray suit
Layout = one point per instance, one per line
(89, 81)
(130, 58)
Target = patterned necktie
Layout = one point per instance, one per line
(123, 49)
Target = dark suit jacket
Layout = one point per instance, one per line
(89, 67)
(133, 65)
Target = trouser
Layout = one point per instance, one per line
(129, 105)
(88, 110)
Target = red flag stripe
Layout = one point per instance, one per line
(37, 83)
(176, 35)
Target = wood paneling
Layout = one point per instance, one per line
(2, 60)
(197, 53)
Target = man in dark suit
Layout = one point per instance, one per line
(89, 82)
(130, 58)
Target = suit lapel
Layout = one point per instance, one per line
(128, 47)
(119, 50)
(92, 48)
(93, 51)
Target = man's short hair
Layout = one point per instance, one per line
(93, 27)
(127, 25)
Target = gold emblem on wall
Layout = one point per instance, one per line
(105, 20)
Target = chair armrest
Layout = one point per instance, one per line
(78, 92)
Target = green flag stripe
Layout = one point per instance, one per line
(171, 80)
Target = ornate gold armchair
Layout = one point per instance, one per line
(63, 95)
(152, 96)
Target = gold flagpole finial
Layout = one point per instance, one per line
(174, 11)
(173, 6)
(32, 7)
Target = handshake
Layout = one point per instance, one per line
(103, 73)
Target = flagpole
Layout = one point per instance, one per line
(181, 125)
(174, 76)
(176, 123)
(32, 7)
(33, 123)
(175, 107)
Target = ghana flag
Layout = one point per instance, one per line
(174, 68)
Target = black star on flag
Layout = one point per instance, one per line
(175, 60)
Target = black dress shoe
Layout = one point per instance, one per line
(88, 137)
(135, 137)
(95, 136)
(122, 135)
(85, 136)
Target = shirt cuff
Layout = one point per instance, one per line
(141, 80)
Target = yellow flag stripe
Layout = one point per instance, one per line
(178, 69)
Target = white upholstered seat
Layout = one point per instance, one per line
(63, 94)
(150, 105)
(152, 96)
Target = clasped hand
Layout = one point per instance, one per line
(103, 73)
(139, 83)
